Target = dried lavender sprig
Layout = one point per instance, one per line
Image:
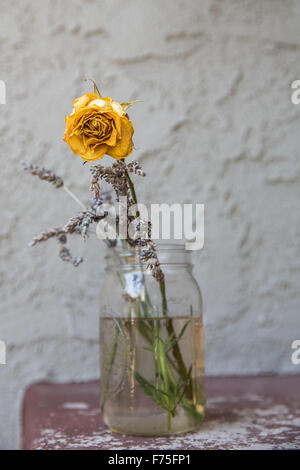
(149, 255)
(118, 176)
(94, 186)
(48, 175)
(149, 252)
(78, 224)
(44, 236)
(64, 252)
(43, 174)
(82, 221)
(114, 175)
(135, 167)
(60, 234)
(65, 255)
(71, 227)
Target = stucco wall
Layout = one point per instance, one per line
(217, 126)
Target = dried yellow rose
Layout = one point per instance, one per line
(99, 126)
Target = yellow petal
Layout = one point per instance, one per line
(97, 153)
(99, 102)
(69, 125)
(111, 142)
(125, 144)
(117, 122)
(78, 147)
(84, 100)
(76, 144)
(117, 108)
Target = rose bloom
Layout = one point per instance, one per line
(98, 126)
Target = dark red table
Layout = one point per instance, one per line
(242, 413)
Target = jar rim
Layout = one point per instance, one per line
(159, 248)
(172, 254)
(170, 246)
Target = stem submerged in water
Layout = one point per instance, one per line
(176, 349)
(167, 391)
(110, 366)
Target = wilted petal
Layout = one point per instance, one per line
(84, 100)
(125, 145)
(99, 102)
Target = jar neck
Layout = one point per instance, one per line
(169, 256)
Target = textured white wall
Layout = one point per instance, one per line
(217, 126)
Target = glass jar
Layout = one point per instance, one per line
(151, 344)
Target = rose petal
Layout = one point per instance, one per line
(84, 100)
(125, 145)
(100, 103)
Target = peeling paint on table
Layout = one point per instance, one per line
(242, 413)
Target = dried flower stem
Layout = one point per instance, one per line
(44, 236)
(43, 174)
(51, 177)
(151, 255)
(73, 196)
(65, 255)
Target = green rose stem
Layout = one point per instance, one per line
(110, 366)
(132, 190)
(176, 349)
